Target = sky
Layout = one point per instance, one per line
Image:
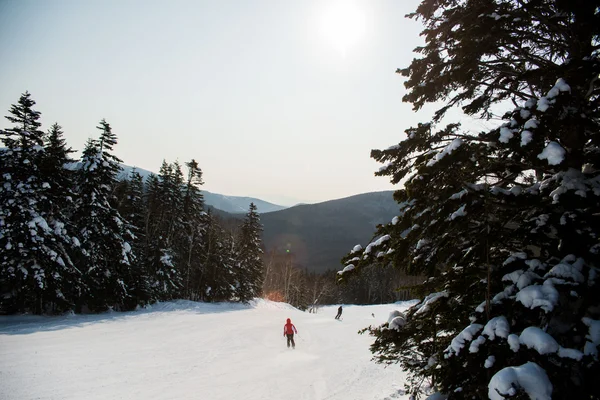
(279, 100)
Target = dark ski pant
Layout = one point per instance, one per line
(290, 339)
(338, 315)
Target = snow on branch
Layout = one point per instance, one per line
(460, 341)
(530, 377)
(544, 296)
(455, 144)
(429, 300)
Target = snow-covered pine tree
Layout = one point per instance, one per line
(163, 225)
(506, 221)
(213, 279)
(36, 271)
(106, 254)
(129, 201)
(190, 238)
(249, 265)
(57, 166)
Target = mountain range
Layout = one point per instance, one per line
(229, 204)
(317, 235)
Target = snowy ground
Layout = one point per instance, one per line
(184, 350)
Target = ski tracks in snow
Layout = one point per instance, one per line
(194, 351)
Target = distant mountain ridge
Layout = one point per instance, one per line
(319, 235)
(229, 204)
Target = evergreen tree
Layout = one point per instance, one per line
(505, 221)
(36, 271)
(129, 197)
(163, 227)
(213, 279)
(104, 235)
(249, 261)
(193, 223)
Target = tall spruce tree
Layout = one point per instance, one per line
(36, 271)
(163, 228)
(104, 235)
(213, 277)
(504, 222)
(249, 257)
(193, 223)
(129, 202)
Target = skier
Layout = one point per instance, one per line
(339, 314)
(288, 330)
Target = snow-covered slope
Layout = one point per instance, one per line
(185, 350)
(238, 204)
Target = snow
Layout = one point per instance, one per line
(530, 377)
(570, 353)
(526, 138)
(531, 124)
(572, 179)
(395, 220)
(513, 342)
(187, 350)
(460, 340)
(458, 195)
(474, 347)
(553, 152)
(347, 268)
(458, 213)
(544, 296)
(455, 144)
(543, 104)
(396, 320)
(356, 248)
(561, 85)
(535, 338)
(505, 134)
(422, 243)
(567, 271)
(384, 167)
(489, 362)
(429, 300)
(593, 336)
(497, 326)
(521, 278)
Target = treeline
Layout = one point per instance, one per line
(77, 238)
(285, 281)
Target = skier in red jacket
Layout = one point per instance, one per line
(288, 330)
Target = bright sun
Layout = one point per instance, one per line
(343, 25)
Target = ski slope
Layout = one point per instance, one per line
(186, 350)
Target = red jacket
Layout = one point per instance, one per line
(289, 328)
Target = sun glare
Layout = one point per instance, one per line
(343, 25)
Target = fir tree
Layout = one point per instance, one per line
(193, 223)
(505, 221)
(213, 278)
(163, 226)
(104, 235)
(129, 198)
(36, 271)
(249, 257)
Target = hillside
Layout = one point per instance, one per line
(318, 235)
(185, 350)
(238, 204)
